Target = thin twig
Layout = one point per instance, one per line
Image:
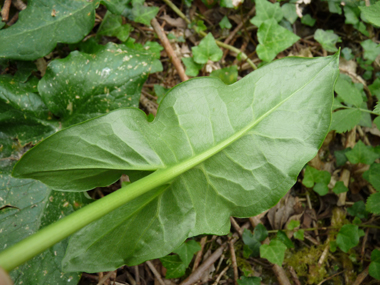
(137, 274)
(198, 257)
(19, 5)
(221, 275)
(13, 20)
(155, 272)
(105, 277)
(5, 10)
(345, 178)
(197, 274)
(234, 263)
(294, 276)
(169, 50)
(361, 277)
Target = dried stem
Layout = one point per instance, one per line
(5, 10)
(155, 272)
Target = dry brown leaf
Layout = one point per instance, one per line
(284, 209)
(348, 65)
(373, 130)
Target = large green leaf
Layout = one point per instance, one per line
(23, 115)
(43, 24)
(83, 86)
(26, 206)
(216, 149)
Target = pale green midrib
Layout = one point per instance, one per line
(50, 235)
(52, 23)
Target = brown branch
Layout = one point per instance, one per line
(5, 10)
(19, 4)
(361, 277)
(238, 27)
(234, 263)
(198, 257)
(197, 274)
(169, 50)
(155, 272)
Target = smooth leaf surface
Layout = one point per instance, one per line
(339, 187)
(289, 11)
(82, 86)
(348, 237)
(371, 50)
(31, 206)
(348, 92)
(362, 154)
(358, 210)
(273, 39)
(196, 141)
(187, 250)
(265, 10)
(175, 267)
(274, 252)
(31, 37)
(374, 267)
(313, 175)
(249, 281)
(112, 26)
(372, 175)
(345, 120)
(308, 20)
(192, 68)
(327, 39)
(373, 203)
(228, 74)
(207, 50)
(23, 114)
(372, 13)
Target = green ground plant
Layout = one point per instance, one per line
(219, 146)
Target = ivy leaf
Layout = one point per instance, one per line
(225, 23)
(373, 203)
(308, 20)
(281, 236)
(31, 37)
(339, 187)
(289, 11)
(362, 154)
(273, 39)
(352, 15)
(228, 74)
(23, 114)
(348, 92)
(358, 210)
(265, 10)
(160, 92)
(274, 252)
(374, 266)
(116, 6)
(176, 264)
(175, 268)
(81, 86)
(31, 206)
(327, 39)
(187, 250)
(347, 54)
(192, 68)
(372, 175)
(249, 281)
(194, 147)
(372, 13)
(345, 120)
(313, 175)
(207, 50)
(375, 90)
(112, 26)
(293, 224)
(198, 26)
(348, 237)
(253, 241)
(371, 50)
(142, 14)
(321, 188)
(299, 234)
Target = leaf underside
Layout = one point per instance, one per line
(257, 138)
